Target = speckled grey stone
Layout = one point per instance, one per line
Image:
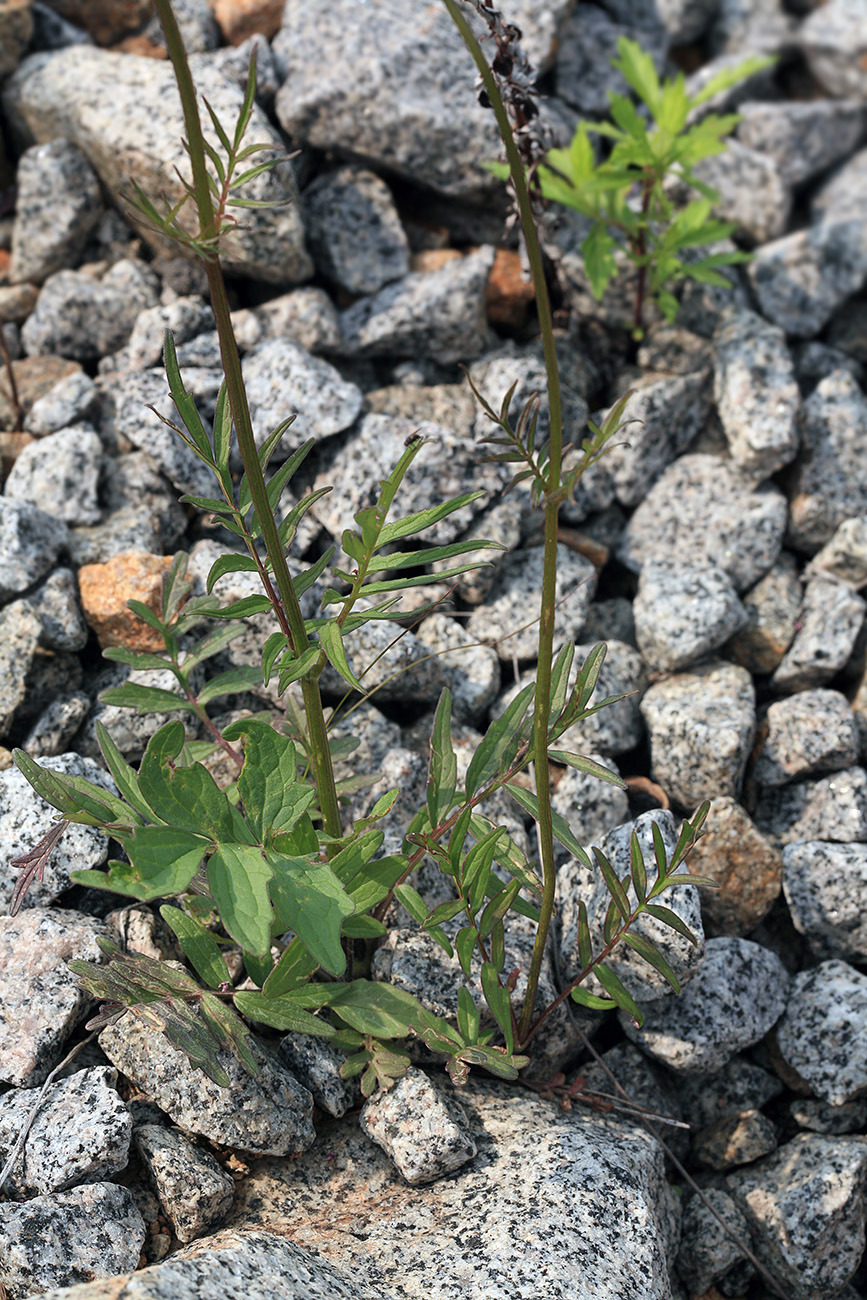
(316, 1065)
(670, 411)
(421, 1126)
(684, 20)
(419, 677)
(644, 1085)
(562, 1205)
(801, 279)
(741, 1085)
(258, 1265)
(58, 205)
(81, 1134)
(833, 42)
(707, 1252)
(41, 1001)
(825, 886)
(832, 808)
(30, 542)
(591, 806)
(124, 114)
(806, 1209)
(133, 482)
(283, 379)
(71, 400)
(610, 620)
(808, 734)
(584, 73)
(132, 528)
(823, 1034)
(269, 1115)
(185, 316)
(514, 598)
(733, 999)
(829, 621)
(83, 318)
(814, 361)
(772, 608)
(60, 474)
(16, 30)
(821, 1117)
(684, 612)
(441, 470)
(69, 1237)
(642, 980)
(56, 725)
(739, 1140)
(439, 314)
(752, 191)
(751, 27)
(306, 316)
(472, 671)
(196, 24)
(19, 641)
(803, 138)
(195, 1193)
(57, 607)
(125, 415)
(701, 726)
(756, 391)
(830, 482)
(25, 818)
(845, 554)
(706, 508)
(354, 232)
(129, 730)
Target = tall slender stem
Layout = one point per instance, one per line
(549, 570)
(291, 609)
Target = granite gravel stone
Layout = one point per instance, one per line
(41, 1001)
(772, 606)
(55, 603)
(801, 279)
(684, 612)
(705, 507)
(807, 734)
(60, 474)
(742, 1085)
(67, 1237)
(805, 1205)
(823, 1035)
(833, 41)
(354, 231)
(186, 317)
(826, 886)
(584, 74)
(268, 1115)
(701, 726)
(306, 316)
(670, 411)
(195, 1193)
(737, 994)
(81, 1134)
(756, 392)
(803, 138)
(56, 725)
(282, 379)
(845, 554)
(421, 1126)
(831, 808)
(19, 644)
(316, 1065)
(829, 622)
(747, 867)
(515, 593)
(30, 542)
(830, 480)
(83, 318)
(736, 1141)
(57, 207)
(707, 1252)
(753, 194)
(472, 671)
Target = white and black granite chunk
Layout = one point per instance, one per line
(826, 889)
(196, 24)
(642, 980)
(133, 482)
(186, 316)
(704, 507)
(125, 115)
(130, 731)
(807, 735)
(815, 361)
(25, 818)
(282, 379)
(832, 808)
(584, 73)
(772, 606)
(60, 473)
(69, 1237)
(514, 599)
(30, 542)
(830, 483)
(132, 528)
(57, 206)
(804, 138)
(821, 1117)
(472, 670)
(56, 725)
(683, 612)
(440, 314)
(354, 231)
(753, 194)
(644, 1085)
(707, 1253)
(756, 392)
(418, 676)
(845, 554)
(195, 1193)
(421, 1126)
(737, 994)
(316, 1065)
(823, 1034)
(838, 204)
(73, 399)
(266, 1115)
(738, 1140)
(830, 618)
(306, 316)
(591, 806)
(834, 42)
(740, 1085)
(745, 27)
(701, 726)
(19, 645)
(670, 410)
(801, 279)
(805, 1205)
(83, 318)
(56, 604)
(81, 1134)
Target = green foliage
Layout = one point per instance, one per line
(624, 195)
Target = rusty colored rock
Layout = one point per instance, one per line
(431, 259)
(510, 291)
(240, 19)
(747, 866)
(34, 377)
(141, 46)
(105, 590)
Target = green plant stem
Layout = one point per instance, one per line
(288, 609)
(549, 571)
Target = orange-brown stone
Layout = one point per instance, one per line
(509, 292)
(238, 19)
(105, 590)
(745, 864)
(431, 259)
(34, 377)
